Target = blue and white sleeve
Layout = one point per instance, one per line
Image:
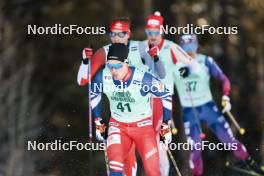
(218, 74)
(151, 84)
(96, 95)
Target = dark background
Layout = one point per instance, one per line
(40, 99)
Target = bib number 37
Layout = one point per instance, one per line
(191, 86)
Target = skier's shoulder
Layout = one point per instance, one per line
(134, 42)
(209, 62)
(175, 47)
(205, 58)
(99, 53)
(98, 78)
(137, 71)
(143, 44)
(133, 45)
(167, 44)
(138, 74)
(149, 78)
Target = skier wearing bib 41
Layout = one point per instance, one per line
(129, 91)
(119, 33)
(198, 106)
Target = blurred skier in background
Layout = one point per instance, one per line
(198, 106)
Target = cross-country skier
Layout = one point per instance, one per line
(198, 106)
(169, 54)
(129, 92)
(120, 33)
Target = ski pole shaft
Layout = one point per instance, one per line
(174, 163)
(89, 115)
(196, 114)
(89, 98)
(106, 159)
(174, 129)
(232, 118)
(89, 104)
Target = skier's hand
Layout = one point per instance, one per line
(87, 54)
(153, 52)
(226, 104)
(99, 129)
(184, 72)
(165, 132)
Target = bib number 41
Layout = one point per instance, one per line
(123, 107)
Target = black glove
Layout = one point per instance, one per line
(184, 72)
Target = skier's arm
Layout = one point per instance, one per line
(179, 55)
(159, 69)
(97, 61)
(96, 95)
(153, 85)
(96, 105)
(218, 74)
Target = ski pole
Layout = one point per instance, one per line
(196, 114)
(89, 99)
(89, 114)
(174, 130)
(106, 158)
(174, 162)
(241, 130)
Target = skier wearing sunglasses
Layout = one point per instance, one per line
(198, 107)
(169, 53)
(120, 33)
(130, 124)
